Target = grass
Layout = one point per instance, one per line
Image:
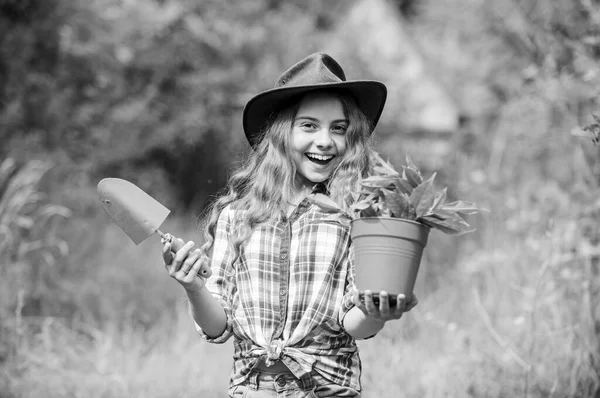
(511, 310)
(129, 334)
(57, 358)
(499, 325)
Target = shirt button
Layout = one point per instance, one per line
(283, 256)
(282, 292)
(280, 380)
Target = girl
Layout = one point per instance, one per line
(282, 282)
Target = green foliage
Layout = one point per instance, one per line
(29, 223)
(152, 91)
(148, 91)
(388, 193)
(30, 243)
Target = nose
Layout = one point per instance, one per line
(323, 138)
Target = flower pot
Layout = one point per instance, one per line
(387, 253)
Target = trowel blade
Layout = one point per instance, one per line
(138, 214)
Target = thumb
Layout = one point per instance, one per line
(166, 253)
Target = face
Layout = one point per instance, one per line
(318, 138)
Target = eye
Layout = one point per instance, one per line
(339, 128)
(307, 126)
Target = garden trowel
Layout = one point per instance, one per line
(138, 214)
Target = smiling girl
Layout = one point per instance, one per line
(283, 273)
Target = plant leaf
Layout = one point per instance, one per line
(403, 186)
(411, 165)
(462, 207)
(427, 202)
(423, 190)
(377, 181)
(362, 205)
(440, 198)
(409, 213)
(454, 225)
(396, 202)
(443, 214)
(324, 202)
(412, 176)
(387, 193)
(379, 162)
(385, 171)
(344, 220)
(370, 212)
(367, 196)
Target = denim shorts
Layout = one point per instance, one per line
(279, 385)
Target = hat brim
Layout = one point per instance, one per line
(370, 96)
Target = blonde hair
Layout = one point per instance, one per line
(264, 184)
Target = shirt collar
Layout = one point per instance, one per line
(320, 187)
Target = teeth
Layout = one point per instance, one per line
(319, 157)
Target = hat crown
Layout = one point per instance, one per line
(318, 71)
(317, 68)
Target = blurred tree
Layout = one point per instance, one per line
(418, 105)
(148, 91)
(29, 60)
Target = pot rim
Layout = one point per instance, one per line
(406, 220)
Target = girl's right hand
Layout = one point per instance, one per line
(184, 265)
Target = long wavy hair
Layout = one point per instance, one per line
(264, 184)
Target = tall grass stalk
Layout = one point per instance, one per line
(57, 357)
(29, 239)
(29, 245)
(526, 332)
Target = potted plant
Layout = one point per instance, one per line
(390, 220)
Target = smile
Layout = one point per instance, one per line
(320, 159)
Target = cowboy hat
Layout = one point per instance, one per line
(318, 71)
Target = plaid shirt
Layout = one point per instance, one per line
(286, 295)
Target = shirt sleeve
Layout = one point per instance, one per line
(347, 302)
(221, 284)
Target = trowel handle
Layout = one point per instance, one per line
(177, 244)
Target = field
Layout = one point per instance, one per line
(516, 315)
(512, 309)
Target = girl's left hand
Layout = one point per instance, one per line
(384, 312)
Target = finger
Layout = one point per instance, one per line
(166, 253)
(205, 266)
(369, 305)
(384, 304)
(401, 304)
(181, 255)
(194, 271)
(189, 261)
(165, 238)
